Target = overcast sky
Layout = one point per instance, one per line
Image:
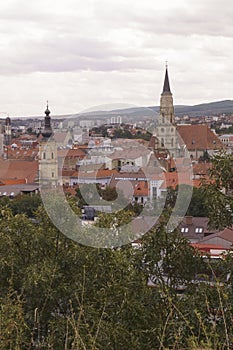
(84, 53)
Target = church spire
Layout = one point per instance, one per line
(47, 132)
(166, 85)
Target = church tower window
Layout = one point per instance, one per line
(163, 118)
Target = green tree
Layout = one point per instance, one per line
(58, 294)
(218, 191)
(25, 204)
(197, 205)
(13, 326)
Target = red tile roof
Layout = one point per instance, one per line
(141, 189)
(101, 173)
(206, 247)
(174, 179)
(201, 168)
(74, 152)
(22, 153)
(199, 136)
(12, 182)
(18, 169)
(68, 172)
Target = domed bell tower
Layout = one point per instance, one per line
(48, 163)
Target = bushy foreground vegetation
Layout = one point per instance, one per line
(56, 294)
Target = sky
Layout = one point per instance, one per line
(83, 54)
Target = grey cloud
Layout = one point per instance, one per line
(205, 21)
(54, 53)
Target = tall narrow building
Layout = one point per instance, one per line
(7, 131)
(1, 144)
(165, 130)
(48, 163)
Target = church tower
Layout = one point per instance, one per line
(165, 130)
(7, 131)
(48, 163)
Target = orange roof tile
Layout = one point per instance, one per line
(22, 153)
(174, 179)
(199, 136)
(101, 173)
(203, 246)
(12, 182)
(68, 172)
(74, 152)
(201, 168)
(18, 169)
(141, 189)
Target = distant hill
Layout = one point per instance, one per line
(211, 108)
(139, 113)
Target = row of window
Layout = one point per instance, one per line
(44, 155)
(162, 130)
(197, 230)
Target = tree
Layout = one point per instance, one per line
(13, 326)
(25, 204)
(58, 294)
(197, 205)
(109, 193)
(218, 191)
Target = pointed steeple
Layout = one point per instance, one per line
(166, 85)
(47, 132)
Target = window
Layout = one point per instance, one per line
(198, 230)
(52, 156)
(44, 155)
(52, 174)
(154, 192)
(184, 229)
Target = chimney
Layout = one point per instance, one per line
(188, 220)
